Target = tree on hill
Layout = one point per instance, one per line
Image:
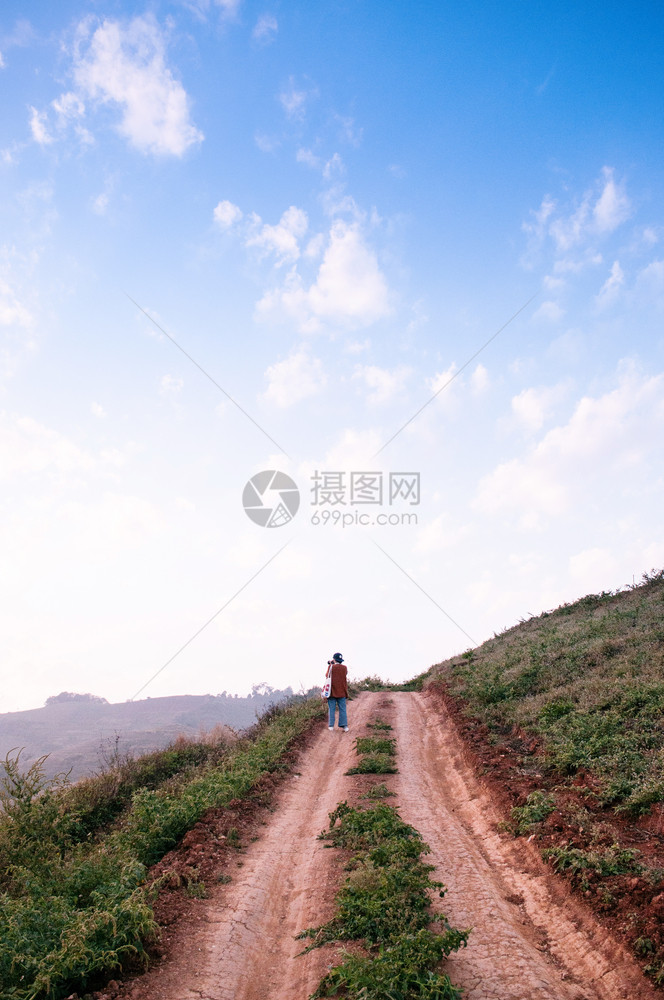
(56, 699)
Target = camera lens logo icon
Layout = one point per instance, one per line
(271, 499)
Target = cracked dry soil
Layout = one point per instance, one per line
(530, 939)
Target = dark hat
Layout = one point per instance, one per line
(338, 657)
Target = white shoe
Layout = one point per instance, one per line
(345, 729)
(331, 728)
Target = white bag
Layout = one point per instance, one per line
(327, 686)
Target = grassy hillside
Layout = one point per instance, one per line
(564, 716)
(588, 679)
(75, 894)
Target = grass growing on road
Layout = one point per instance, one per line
(376, 755)
(384, 903)
(72, 909)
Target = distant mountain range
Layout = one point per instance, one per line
(79, 732)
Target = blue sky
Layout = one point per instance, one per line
(331, 209)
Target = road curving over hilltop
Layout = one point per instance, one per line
(530, 940)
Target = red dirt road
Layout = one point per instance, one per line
(530, 940)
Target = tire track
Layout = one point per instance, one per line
(530, 940)
(286, 881)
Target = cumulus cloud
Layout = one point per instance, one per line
(265, 29)
(294, 379)
(549, 311)
(611, 287)
(294, 99)
(532, 407)
(39, 127)
(124, 66)
(382, 383)
(606, 440)
(12, 312)
(479, 380)
(350, 290)
(307, 156)
(226, 214)
(282, 240)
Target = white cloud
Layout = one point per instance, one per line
(100, 203)
(611, 287)
(613, 207)
(265, 29)
(350, 286)
(532, 407)
(38, 127)
(479, 380)
(97, 410)
(226, 214)
(229, 8)
(308, 157)
(68, 106)
(29, 448)
(335, 165)
(600, 211)
(349, 131)
(294, 379)
(294, 100)
(125, 65)
(2, 61)
(12, 312)
(170, 386)
(282, 240)
(350, 290)
(266, 143)
(382, 384)
(598, 451)
(549, 311)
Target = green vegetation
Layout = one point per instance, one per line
(536, 808)
(376, 755)
(612, 860)
(588, 679)
(374, 744)
(384, 904)
(380, 791)
(74, 899)
(379, 725)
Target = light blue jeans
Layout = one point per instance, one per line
(332, 704)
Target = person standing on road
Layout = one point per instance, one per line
(338, 692)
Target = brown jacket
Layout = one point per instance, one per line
(339, 681)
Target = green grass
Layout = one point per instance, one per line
(384, 903)
(375, 744)
(380, 791)
(536, 808)
(71, 909)
(374, 763)
(588, 679)
(376, 754)
(610, 861)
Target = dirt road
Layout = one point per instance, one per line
(530, 941)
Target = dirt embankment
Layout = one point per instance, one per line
(530, 939)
